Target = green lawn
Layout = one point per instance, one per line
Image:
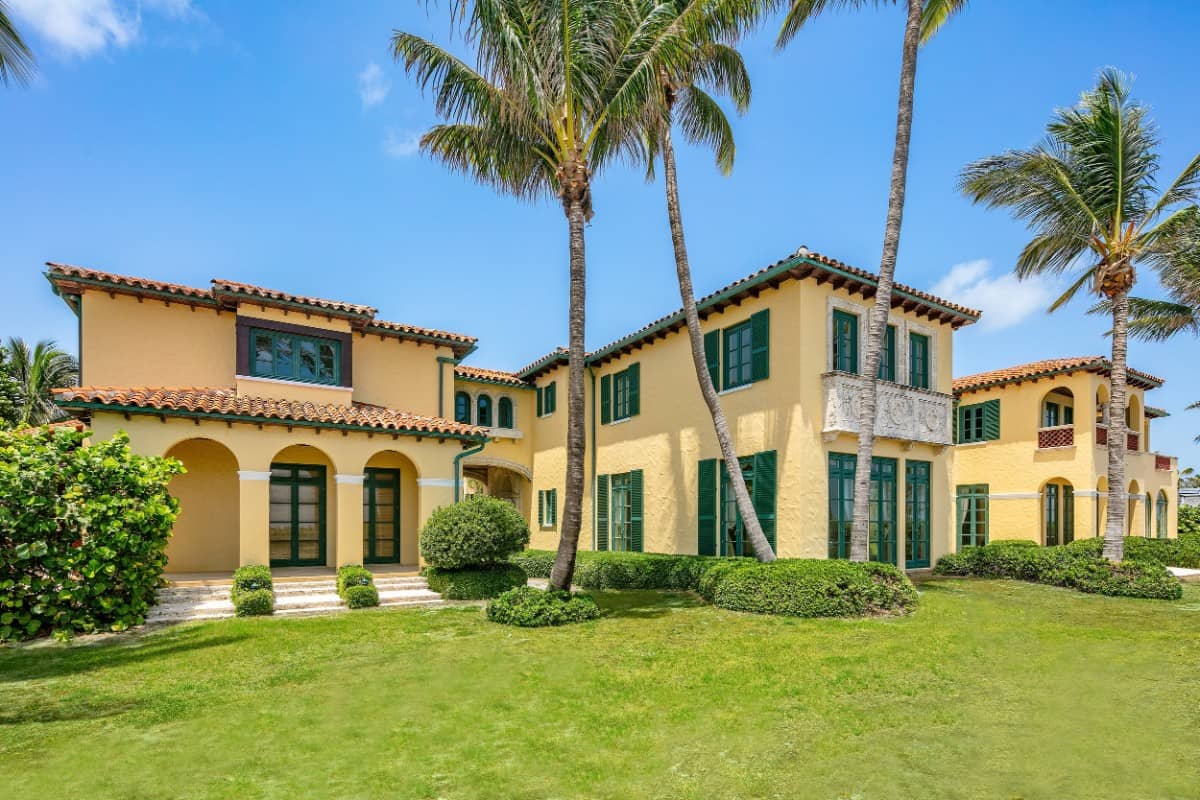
(992, 690)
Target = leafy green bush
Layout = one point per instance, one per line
(359, 595)
(810, 588)
(1078, 566)
(475, 532)
(83, 533)
(251, 577)
(619, 570)
(353, 575)
(527, 607)
(254, 602)
(1189, 520)
(538, 563)
(475, 584)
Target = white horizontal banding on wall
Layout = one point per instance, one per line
(253, 475)
(1089, 493)
(435, 481)
(347, 478)
(1014, 496)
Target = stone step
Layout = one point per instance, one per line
(408, 594)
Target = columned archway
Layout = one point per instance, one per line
(303, 502)
(205, 536)
(390, 510)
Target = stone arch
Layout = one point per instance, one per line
(1058, 512)
(1133, 413)
(1162, 510)
(206, 536)
(391, 508)
(1057, 408)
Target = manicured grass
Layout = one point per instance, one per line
(993, 689)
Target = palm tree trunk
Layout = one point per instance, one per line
(860, 530)
(572, 518)
(762, 548)
(1114, 530)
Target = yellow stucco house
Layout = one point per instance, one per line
(316, 434)
(1032, 454)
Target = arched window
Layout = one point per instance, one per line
(1058, 408)
(506, 412)
(1058, 512)
(462, 407)
(1162, 515)
(483, 411)
(1149, 515)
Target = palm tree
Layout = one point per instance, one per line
(922, 21)
(542, 111)
(10, 394)
(37, 372)
(1087, 192)
(16, 60)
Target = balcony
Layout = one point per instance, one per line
(902, 412)
(1132, 439)
(1163, 463)
(1057, 436)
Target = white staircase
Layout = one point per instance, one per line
(317, 595)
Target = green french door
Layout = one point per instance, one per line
(916, 514)
(381, 516)
(882, 546)
(297, 521)
(733, 529)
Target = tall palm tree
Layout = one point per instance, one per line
(1088, 193)
(543, 109)
(37, 371)
(16, 60)
(923, 19)
(683, 98)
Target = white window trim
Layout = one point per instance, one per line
(337, 387)
(734, 389)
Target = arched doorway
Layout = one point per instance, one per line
(1134, 497)
(1101, 504)
(390, 509)
(301, 500)
(1058, 512)
(205, 537)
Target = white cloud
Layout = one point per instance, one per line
(373, 87)
(401, 144)
(86, 27)
(1004, 300)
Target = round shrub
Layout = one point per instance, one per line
(83, 533)
(350, 575)
(361, 595)
(254, 603)
(527, 607)
(249, 578)
(479, 531)
(475, 584)
(811, 588)
(953, 564)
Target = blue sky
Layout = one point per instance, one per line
(275, 144)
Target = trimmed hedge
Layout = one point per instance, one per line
(1181, 552)
(478, 531)
(527, 607)
(809, 588)
(620, 570)
(83, 533)
(361, 595)
(1078, 566)
(538, 563)
(475, 584)
(1189, 520)
(253, 592)
(350, 575)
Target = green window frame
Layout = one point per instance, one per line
(504, 413)
(887, 356)
(1162, 508)
(917, 504)
(738, 345)
(619, 511)
(978, 422)
(462, 407)
(918, 360)
(1058, 514)
(1050, 415)
(381, 516)
(841, 503)
(297, 504)
(1149, 515)
(882, 525)
(620, 395)
(971, 514)
(483, 411)
(706, 499)
(759, 474)
(292, 357)
(845, 342)
(547, 508)
(547, 400)
(745, 349)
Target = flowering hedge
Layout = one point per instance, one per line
(83, 533)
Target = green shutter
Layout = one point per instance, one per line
(635, 510)
(712, 355)
(541, 507)
(764, 493)
(991, 419)
(539, 401)
(553, 390)
(956, 423)
(722, 500)
(635, 389)
(605, 399)
(601, 512)
(706, 496)
(760, 345)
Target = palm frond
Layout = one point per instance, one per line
(1072, 290)
(801, 11)
(721, 69)
(936, 14)
(16, 60)
(702, 122)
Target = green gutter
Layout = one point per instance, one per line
(210, 415)
(458, 470)
(422, 337)
(592, 483)
(442, 361)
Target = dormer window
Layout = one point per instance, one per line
(291, 357)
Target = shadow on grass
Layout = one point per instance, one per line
(644, 604)
(44, 660)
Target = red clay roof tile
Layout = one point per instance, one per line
(468, 373)
(1047, 367)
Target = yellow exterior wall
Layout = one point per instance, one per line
(1016, 470)
(402, 374)
(206, 536)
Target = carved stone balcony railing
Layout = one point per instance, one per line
(1058, 436)
(902, 412)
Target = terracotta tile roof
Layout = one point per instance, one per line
(1154, 412)
(259, 293)
(1051, 366)
(482, 375)
(414, 330)
(60, 274)
(77, 425)
(225, 403)
(802, 264)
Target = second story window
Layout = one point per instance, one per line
(620, 394)
(293, 357)
(746, 350)
(483, 413)
(918, 360)
(737, 355)
(845, 342)
(547, 400)
(505, 412)
(462, 407)
(887, 356)
(979, 422)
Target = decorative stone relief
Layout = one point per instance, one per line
(903, 413)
